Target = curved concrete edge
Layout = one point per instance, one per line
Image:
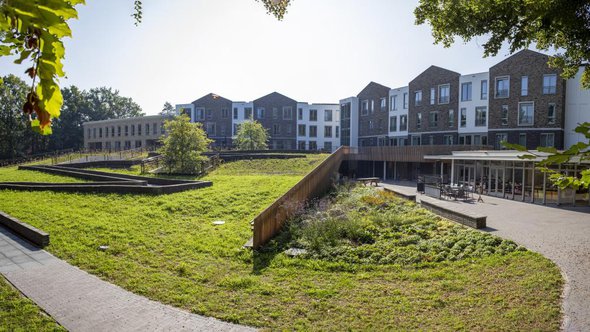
(24, 230)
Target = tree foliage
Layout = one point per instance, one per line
(183, 145)
(560, 24)
(168, 109)
(252, 136)
(13, 124)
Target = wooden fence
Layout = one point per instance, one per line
(268, 223)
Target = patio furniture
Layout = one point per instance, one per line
(370, 181)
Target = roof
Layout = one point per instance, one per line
(497, 155)
(137, 118)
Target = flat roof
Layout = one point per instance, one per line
(149, 117)
(497, 155)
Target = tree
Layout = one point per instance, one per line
(34, 31)
(106, 103)
(252, 136)
(168, 109)
(558, 24)
(13, 124)
(183, 145)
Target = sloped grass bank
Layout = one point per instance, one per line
(167, 249)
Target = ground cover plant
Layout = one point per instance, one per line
(17, 313)
(167, 248)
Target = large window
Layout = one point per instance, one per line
(433, 119)
(211, 128)
(224, 113)
(313, 145)
(365, 107)
(300, 116)
(394, 102)
(138, 130)
(481, 116)
(287, 113)
(301, 130)
(551, 114)
(418, 120)
(522, 139)
(444, 92)
(524, 86)
(526, 114)
(313, 115)
(451, 118)
(549, 84)
(276, 129)
(504, 115)
(500, 138)
(466, 89)
(484, 89)
(328, 146)
(384, 104)
(260, 113)
(403, 123)
(406, 100)
(200, 114)
(313, 131)
(418, 98)
(502, 87)
(463, 115)
(393, 123)
(548, 140)
(328, 115)
(248, 112)
(327, 131)
(209, 114)
(415, 140)
(448, 139)
(132, 130)
(432, 96)
(235, 113)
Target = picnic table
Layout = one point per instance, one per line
(370, 181)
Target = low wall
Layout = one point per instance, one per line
(26, 231)
(475, 221)
(103, 163)
(409, 197)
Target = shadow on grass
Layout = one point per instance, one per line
(263, 257)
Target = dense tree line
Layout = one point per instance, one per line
(79, 106)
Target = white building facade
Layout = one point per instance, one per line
(318, 126)
(473, 116)
(124, 134)
(577, 100)
(398, 116)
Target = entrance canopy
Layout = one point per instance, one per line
(498, 155)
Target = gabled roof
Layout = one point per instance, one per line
(436, 69)
(275, 95)
(211, 96)
(374, 86)
(521, 53)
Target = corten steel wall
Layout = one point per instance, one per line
(268, 223)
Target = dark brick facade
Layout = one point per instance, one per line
(373, 117)
(433, 77)
(534, 66)
(282, 128)
(216, 118)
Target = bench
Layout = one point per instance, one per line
(370, 181)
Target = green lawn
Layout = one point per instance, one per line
(17, 313)
(166, 248)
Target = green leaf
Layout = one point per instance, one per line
(5, 50)
(50, 97)
(513, 146)
(547, 149)
(36, 127)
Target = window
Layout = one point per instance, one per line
(432, 96)
(301, 145)
(247, 112)
(138, 144)
(433, 119)
(99, 132)
(481, 116)
(484, 140)
(466, 91)
(406, 100)
(463, 115)
(448, 139)
(548, 140)
(403, 123)
(224, 113)
(313, 115)
(430, 140)
(275, 113)
(418, 98)
(118, 130)
(147, 128)
(301, 130)
(394, 102)
(300, 116)
(89, 133)
(113, 131)
(313, 131)
(313, 145)
(526, 114)
(502, 87)
(451, 118)
(132, 130)
(126, 130)
(337, 132)
(211, 128)
(209, 114)
(138, 130)
(106, 132)
(235, 113)
(289, 129)
(384, 104)
(328, 146)
(393, 123)
(484, 89)
(276, 129)
(551, 114)
(200, 113)
(328, 115)
(522, 139)
(500, 138)
(372, 106)
(549, 84)
(504, 115)
(371, 124)
(154, 128)
(444, 92)
(236, 128)
(418, 120)
(327, 131)
(524, 86)
(260, 113)
(415, 140)
(287, 113)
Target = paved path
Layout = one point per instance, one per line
(82, 302)
(560, 234)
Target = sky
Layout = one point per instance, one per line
(323, 50)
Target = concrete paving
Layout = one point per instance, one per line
(560, 234)
(82, 302)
